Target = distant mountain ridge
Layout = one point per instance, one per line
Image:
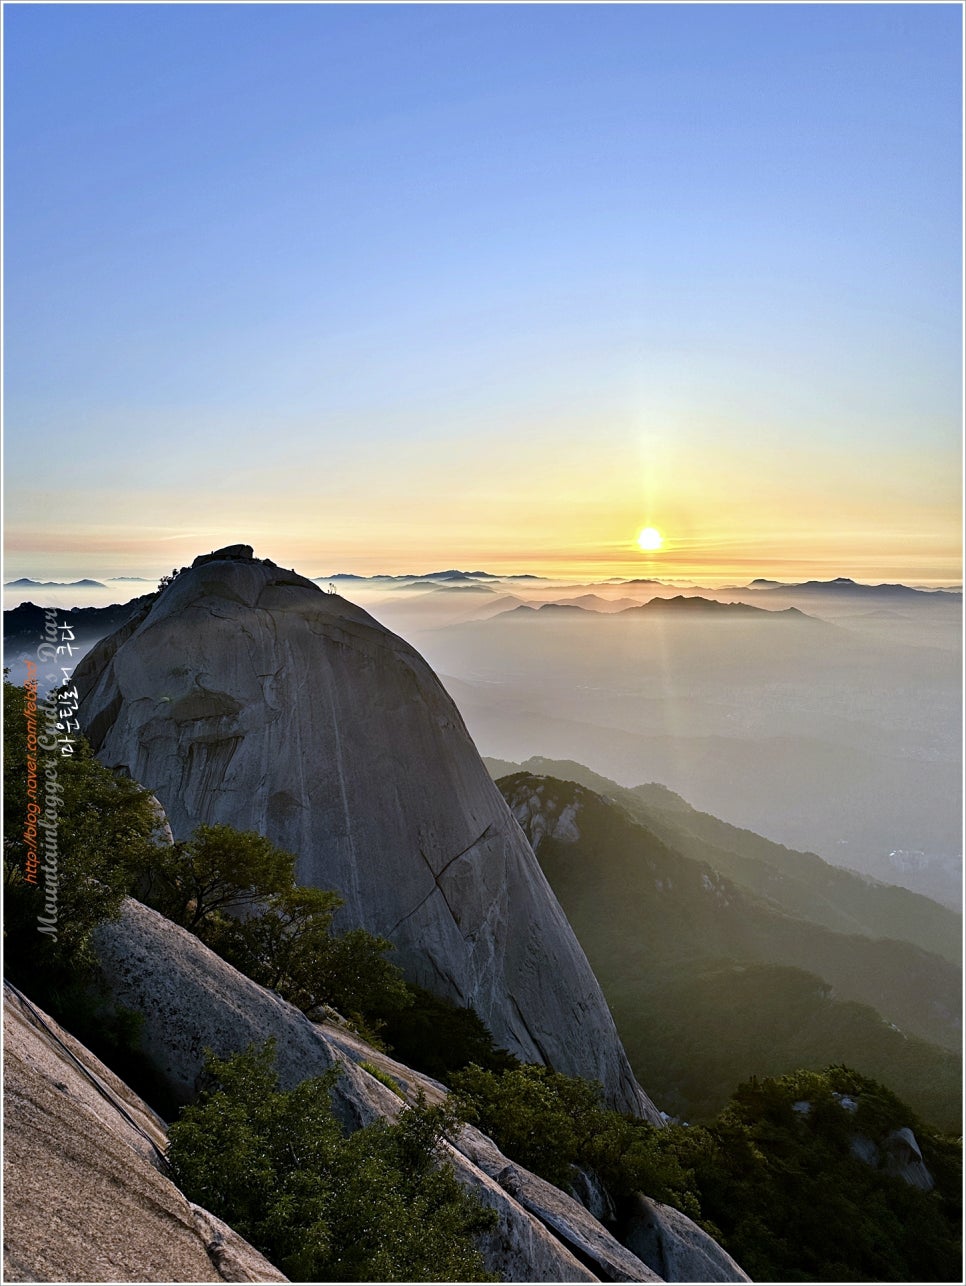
(801, 884)
(26, 583)
(668, 935)
(551, 609)
(450, 574)
(695, 604)
(682, 606)
(594, 603)
(24, 625)
(845, 586)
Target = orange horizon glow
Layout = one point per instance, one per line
(924, 560)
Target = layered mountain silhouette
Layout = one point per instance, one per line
(680, 606)
(802, 885)
(452, 574)
(711, 983)
(844, 587)
(546, 610)
(26, 583)
(696, 605)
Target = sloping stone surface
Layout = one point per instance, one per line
(676, 1247)
(246, 695)
(521, 1248)
(84, 1198)
(233, 1257)
(193, 1000)
(568, 1219)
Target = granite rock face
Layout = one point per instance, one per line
(676, 1247)
(192, 1000)
(903, 1157)
(85, 1196)
(244, 694)
(570, 1222)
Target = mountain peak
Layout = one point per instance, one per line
(235, 553)
(245, 694)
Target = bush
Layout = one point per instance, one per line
(106, 828)
(291, 949)
(782, 1191)
(358, 979)
(550, 1123)
(218, 868)
(376, 1206)
(438, 1037)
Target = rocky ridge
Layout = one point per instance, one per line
(192, 1000)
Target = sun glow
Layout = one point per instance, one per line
(650, 539)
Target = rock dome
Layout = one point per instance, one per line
(244, 694)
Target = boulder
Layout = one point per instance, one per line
(897, 1154)
(246, 695)
(903, 1158)
(675, 1246)
(85, 1195)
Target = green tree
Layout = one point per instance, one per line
(290, 948)
(439, 1037)
(551, 1123)
(379, 1205)
(530, 1114)
(105, 828)
(358, 979)
(217, 869)
(780, 1187)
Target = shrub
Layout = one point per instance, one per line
(550, 1123)
(378, 1205)
(106, 828)
(439, 1037)
(290, 948)
(219, 868)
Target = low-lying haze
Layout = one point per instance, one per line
(824, 715)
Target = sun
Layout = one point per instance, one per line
(650, 539)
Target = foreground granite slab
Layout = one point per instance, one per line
(85, 1199)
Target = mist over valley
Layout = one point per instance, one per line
(824, 715)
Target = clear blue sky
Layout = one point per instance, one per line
(376, 286)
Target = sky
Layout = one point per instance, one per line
(398, 287)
